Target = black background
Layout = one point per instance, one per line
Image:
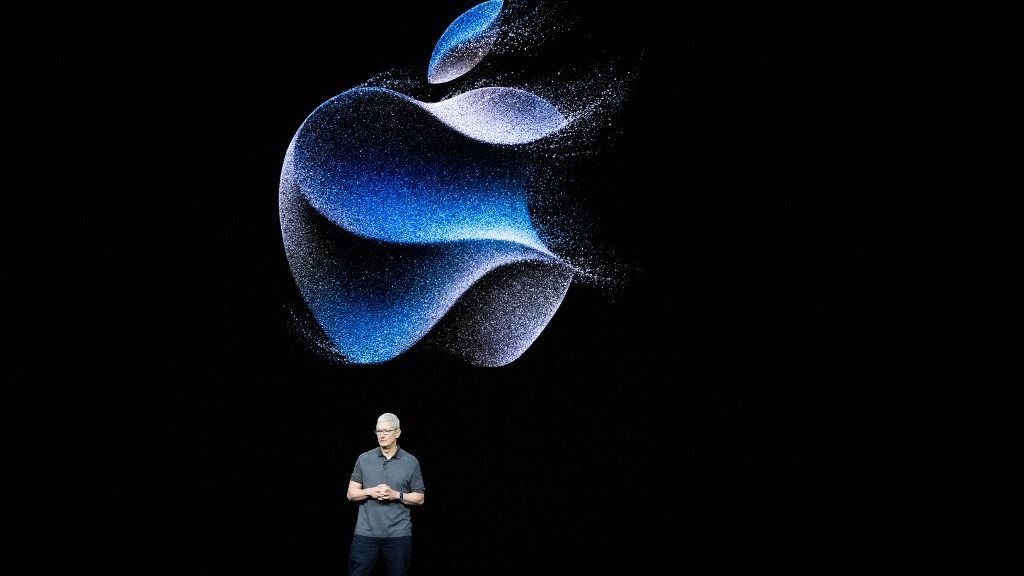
(790, 376)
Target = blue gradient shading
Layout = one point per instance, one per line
(398, 214)
(375, 300)
(381, 167)
(390, 217)
(464, 43)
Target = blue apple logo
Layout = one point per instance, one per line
(404, 219)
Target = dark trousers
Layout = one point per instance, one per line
(363, 554)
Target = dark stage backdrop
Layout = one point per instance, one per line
(771, 386)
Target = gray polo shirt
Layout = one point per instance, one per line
(391, 518)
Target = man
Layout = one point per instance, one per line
(384, 524)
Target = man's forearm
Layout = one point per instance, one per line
(358, 495)
(412, 498)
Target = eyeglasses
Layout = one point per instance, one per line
(379, 432)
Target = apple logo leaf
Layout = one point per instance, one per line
(465, 42)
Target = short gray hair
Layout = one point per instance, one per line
(390, 419)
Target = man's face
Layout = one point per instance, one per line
(387, 435)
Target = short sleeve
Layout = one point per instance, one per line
(357, 471)
(416, 482)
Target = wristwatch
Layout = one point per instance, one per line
(401, 495)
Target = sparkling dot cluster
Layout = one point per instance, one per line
(407, 220)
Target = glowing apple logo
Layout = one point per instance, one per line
(397, 214)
